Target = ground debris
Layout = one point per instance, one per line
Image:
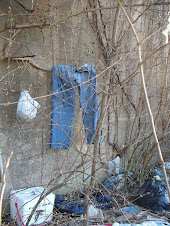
(119, 199)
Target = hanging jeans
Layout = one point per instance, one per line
(64, 80)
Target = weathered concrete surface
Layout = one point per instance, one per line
(33, 163)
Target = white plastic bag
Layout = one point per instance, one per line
(94, 212)
(27, 107)
(113, 166)
(167, 31)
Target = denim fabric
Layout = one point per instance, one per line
(64, 80)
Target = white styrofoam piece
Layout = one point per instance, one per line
(25, 200)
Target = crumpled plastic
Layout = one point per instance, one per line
(113, 166)
(152, 195)
(117, 182)
(27, 107)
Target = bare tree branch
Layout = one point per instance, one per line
(45, 25)
(24, 6)
(115, 27)
(147, 99)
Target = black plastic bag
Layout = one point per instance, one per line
(152, 195)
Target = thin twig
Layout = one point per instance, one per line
(114, 35)
(45, 25)
(4, 185)
(150, 36)
(24, 6)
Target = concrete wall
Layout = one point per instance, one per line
(70, 42)
(33, 162)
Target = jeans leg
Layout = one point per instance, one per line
(63, 104)
(89, 103)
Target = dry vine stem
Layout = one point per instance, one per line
(147, 99)
(159, 109)
(4, 184)
(104, 107)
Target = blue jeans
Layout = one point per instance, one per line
(64, 80)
